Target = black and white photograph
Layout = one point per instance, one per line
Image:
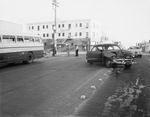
(74, 58)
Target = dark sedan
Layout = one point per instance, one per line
(110, 55)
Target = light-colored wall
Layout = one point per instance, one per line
(6, 26)
(96, 32)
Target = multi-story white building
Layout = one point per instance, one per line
(81, 32)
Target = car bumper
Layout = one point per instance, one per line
(123, 61)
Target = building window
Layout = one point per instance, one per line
(38, 27)
(59, 26)
(43, 26)
(32, 27)
(80, 24)
(59, 34)
(69, 35)
(53, 27)
(29, 27)
(76, 34)
(47, 26)
(52, 35)
(80, 34)
(63, 25)
(63, 34)
(47, 35)
(69, 26)
(43, 35)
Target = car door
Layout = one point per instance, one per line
(95, 55)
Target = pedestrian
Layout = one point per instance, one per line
(68, 50)
(77, 50)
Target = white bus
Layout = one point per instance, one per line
(20, 47)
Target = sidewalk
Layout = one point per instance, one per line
(59, 54)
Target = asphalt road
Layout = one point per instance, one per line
(51, 86)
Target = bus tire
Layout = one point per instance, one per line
(30, 58)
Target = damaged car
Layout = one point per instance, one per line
(110, 55)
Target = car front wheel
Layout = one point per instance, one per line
(89, 62)
(127, 66)
(108, 63)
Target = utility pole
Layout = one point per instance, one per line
(55, 4)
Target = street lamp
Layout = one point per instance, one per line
(55, 3)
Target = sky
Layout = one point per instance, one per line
(127, 21)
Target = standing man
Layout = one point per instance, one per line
(77, 50)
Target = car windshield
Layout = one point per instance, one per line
(111, 47)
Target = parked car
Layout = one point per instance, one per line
(110, 55)
(136, 51)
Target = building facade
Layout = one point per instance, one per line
(74, 32)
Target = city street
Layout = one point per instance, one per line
(51, 86)
(68, 86)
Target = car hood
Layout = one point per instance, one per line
(117, 53)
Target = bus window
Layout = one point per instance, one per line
(20, 39)
(0, 39)
(37, 39)
(9, 39)
(29, 39)
(26, 39)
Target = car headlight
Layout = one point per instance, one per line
(113, 58)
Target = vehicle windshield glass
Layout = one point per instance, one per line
(111, 47)
(100, 47)
(95, 49)
(116, 47)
